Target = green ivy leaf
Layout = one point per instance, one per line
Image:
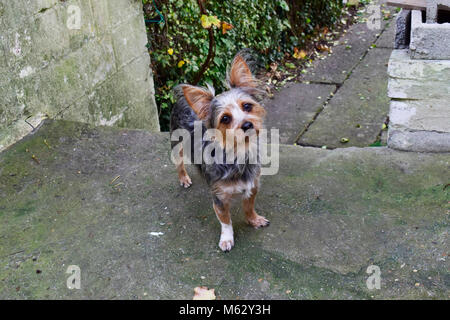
(283, 4)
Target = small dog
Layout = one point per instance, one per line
(236, 110)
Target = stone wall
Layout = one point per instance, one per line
(419, 78)
(420, 110)
(81, 60)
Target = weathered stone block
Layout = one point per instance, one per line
(419, 141)
(429, 41)
(100, 16)
(77, 75)
(121, 11)
(418, 79)
(122, 35)
(420, 109)
(102, 109)
(13, 14)
(97, 70)
(433, 6)
(401, 66)
(413, 89)
(46, 38)
(431, 115)
(403, 32)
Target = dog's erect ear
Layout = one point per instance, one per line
(199, 100)
(240, 75)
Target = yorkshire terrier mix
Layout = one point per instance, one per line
(239, 112)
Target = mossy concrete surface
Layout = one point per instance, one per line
(108, 200)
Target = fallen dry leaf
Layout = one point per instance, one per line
(226, 26)
(203, 293)
(323, 47)
(274, 66)
(299, 54)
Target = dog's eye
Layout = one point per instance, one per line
(225, 119)
(247, 107)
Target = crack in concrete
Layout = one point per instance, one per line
(405, 99)
(321, 108)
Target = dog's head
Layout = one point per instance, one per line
(236, 110)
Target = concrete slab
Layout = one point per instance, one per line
(351, 48)
(359, 108)
(294, 107)
(336, 67)
(336, 213)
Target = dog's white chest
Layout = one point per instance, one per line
(244, 188)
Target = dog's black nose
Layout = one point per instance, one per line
(247, 126)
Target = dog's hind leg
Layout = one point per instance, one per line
(251, 216)
(183, 176)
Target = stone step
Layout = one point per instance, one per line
(96, 196)
(431, 115)
(418, 79)
(420, 108)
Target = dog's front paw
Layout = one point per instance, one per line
(226, 245)
(185, 181)
(226, 237)
(258, 222)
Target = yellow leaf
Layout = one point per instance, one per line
(215, 21)
(170, 51)
(226, 26)
(299, 54)
(203, 293)
(205, 22)
(208, 21)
